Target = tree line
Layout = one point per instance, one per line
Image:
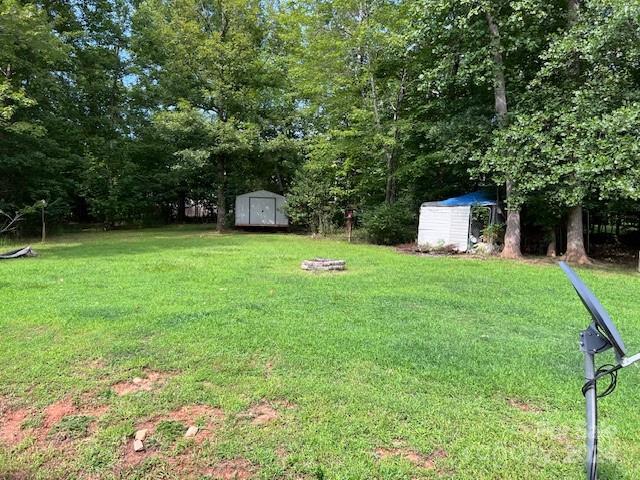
(122, 110)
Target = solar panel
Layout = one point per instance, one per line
(598, 313)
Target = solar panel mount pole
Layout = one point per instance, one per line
(591, 400)
(592, 342)
(601, 335)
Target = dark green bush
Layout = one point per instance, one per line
(390, 224)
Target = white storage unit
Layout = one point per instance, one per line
(450, 221)
(261, 209)
(440, 226)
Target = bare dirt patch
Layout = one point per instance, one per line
(260, 413)
(282, 452)
(416, 458)
(150, 381)
(236, 469)
(15, 425)
(193, 414)
(62, 408)
(57, 411)
(130, 459)
(523, 406)
(202, 416)
(11, 431)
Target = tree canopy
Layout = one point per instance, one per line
(115, 111)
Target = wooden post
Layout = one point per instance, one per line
(44, 229)
(349, 224)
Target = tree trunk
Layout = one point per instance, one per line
(576, 252)
(512, 234)
(221, 196)
(499, 82)
(573, 8)
(182, 205)
(552, 249)
(575, 238)
(279, 181)
(390, 188)
(390, 153)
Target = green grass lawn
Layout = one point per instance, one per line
(402, 367)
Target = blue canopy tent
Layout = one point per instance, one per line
(480, 198)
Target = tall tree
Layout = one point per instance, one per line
(355, 72)
(492, 43)
(571, 139)
(35, 163)
(512, 236)
(207, 56)
(575, 229)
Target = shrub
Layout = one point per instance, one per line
(390, 224)
(313, 203)
(493, 233)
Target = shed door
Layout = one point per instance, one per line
(262, 211)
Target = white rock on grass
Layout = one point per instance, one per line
(191, 432)
(138, 446)
(141, 434)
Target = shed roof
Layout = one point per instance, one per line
(260, 193)
(480, 197)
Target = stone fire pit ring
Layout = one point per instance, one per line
(323, 264)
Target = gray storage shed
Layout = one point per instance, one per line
(261, 209)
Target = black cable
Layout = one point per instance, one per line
(592, 473)
(604, 370)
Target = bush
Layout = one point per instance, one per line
(314, 203)
(493, 233)
(390, 224)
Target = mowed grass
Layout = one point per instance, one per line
(472, 366)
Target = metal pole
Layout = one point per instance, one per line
(591, 399)
(44, 230)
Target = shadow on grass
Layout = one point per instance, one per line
(144, 242)
(609, 471)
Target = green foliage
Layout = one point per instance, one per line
(576, 137)
(167, 431)
(493, 233)
(316, 201)
(25, 32)
(33, 421)
(72, 427)
(216, 91)
(118, 112)
(390, 224)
